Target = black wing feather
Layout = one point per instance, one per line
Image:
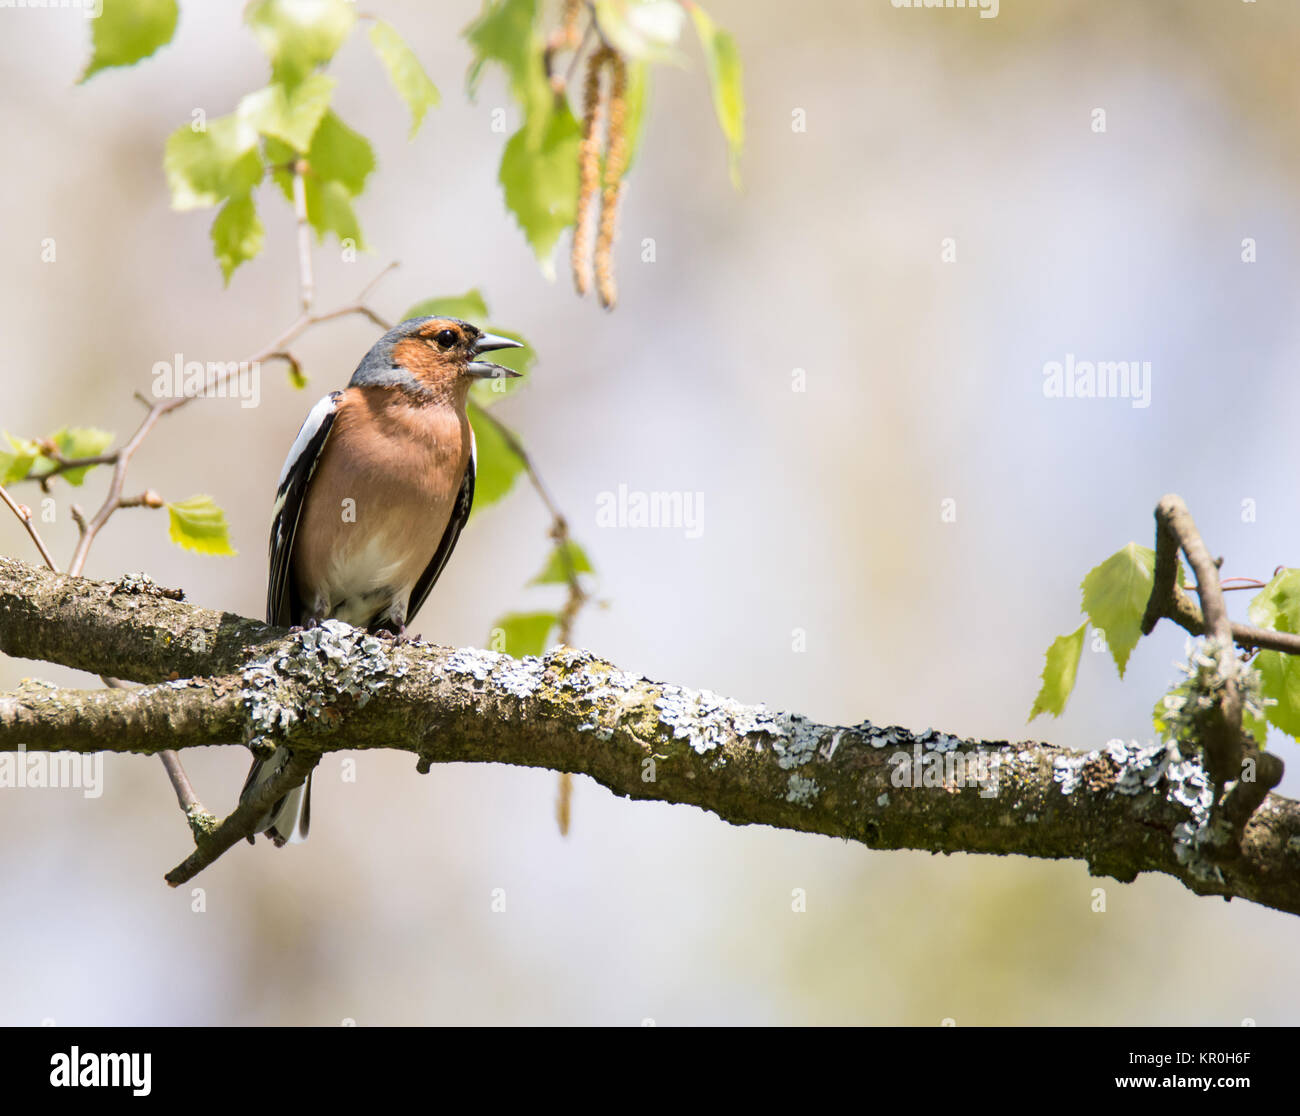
(459, 516)
(282, 604)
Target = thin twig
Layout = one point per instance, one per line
(24, 513)
(240, 824)
(306, 283)
(202, 822)
(559, 525)
(577, 54)
(64, 464)
(147, 499)
(184, 791)
(369, 287)
(1224, 745)
(565, 38)
(1246, 583)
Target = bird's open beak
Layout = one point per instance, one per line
(485, 370)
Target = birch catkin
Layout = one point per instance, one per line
(569, 24)
(615, 165)
(588, 168)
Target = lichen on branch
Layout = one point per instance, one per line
(215, 678)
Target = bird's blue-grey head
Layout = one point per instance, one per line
(427, 354)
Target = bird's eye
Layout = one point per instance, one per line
(446, 338)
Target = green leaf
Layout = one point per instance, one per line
(726, 81)
(205, 167)
(469, 307)
(292, 118)
(329, 210)
(15, 466)
(522, 633)
(1279, 676)
(539, 167)
(642, 30)
(74, 442)
(556, 570)
(506, 33)
(1059, 673)
(280, 155)
(71, 441)
(539, 175)
(128, 30)
(1277, 605)
(198, 524)
(1256, 726)
(237, 234)
(1115, 596)
(405, 72)
(264, 109)
(497, 466)
(339, 154)
(340, 161)
(1277, 608)
(299, 35)
(1158, 711)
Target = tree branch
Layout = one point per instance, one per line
(1241, 772)
(1124, 809)
(1176, 530)
(1169, 601)
(241, 822)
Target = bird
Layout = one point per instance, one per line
(370, 503)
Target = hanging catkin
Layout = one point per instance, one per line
(615, 165)
(569, 24)
(588, 168)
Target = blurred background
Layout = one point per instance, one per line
(822, 508)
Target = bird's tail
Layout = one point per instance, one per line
(288, 820)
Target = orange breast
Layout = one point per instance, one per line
(379, 501)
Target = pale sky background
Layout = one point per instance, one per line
(822, 509)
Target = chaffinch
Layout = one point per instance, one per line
(372, 498)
